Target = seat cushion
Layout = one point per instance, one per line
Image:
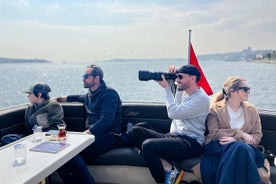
(187, 164)
(273, 174)
(120, 156)
(131, 156)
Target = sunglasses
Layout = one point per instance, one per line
(85, 76)
(245, 89)
(179, 76)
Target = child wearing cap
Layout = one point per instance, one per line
(42, 112)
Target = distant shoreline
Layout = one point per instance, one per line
(11, 60)
(268, 61)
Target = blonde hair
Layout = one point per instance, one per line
(231, 84)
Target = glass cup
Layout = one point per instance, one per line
(37, 130)
(20, 153)
(61, 131)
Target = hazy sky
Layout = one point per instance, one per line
(89, 30)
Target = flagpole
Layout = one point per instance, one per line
(189, 46)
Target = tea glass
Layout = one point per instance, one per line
(61, 131)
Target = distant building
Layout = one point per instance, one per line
(259, 56)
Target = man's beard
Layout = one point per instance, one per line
(86, 85)
(182, 88)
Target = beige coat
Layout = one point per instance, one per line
(218, 123)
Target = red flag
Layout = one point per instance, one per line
(202, 82)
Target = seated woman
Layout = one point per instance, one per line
(230, 155)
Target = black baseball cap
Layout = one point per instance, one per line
(189, 69)
(39, 88)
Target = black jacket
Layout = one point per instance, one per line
(103, 108)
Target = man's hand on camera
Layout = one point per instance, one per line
(172, 69)
(163, 83)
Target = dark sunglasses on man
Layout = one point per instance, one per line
(86, 75)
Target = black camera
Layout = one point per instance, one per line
(146, 75)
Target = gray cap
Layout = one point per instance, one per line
(39, 88)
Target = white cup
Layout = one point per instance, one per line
(37, 130)
(20, 153)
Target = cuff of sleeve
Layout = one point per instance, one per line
(239, 134)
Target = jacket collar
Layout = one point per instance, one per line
(223, 103)
(42, 104)
(221, 107)
(98, 90)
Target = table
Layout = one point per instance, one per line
(39, 165)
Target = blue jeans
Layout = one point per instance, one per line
(76, 170)
(170, 147)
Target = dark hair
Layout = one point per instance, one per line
(97, 71)
(42, 88)
(43, 95)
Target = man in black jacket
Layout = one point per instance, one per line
(103, 108)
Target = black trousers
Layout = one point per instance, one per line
(76, 170)
(170, 147)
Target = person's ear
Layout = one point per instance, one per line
(97, 78)
(39, 95)
(193, 78)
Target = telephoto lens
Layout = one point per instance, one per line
(147, 75)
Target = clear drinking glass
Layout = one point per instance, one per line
(20, 153)
(37, 130)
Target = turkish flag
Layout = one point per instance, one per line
(203, 81)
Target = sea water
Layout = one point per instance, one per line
(122, 75)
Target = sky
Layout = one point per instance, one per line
(93, 30)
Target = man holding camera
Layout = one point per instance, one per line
(188, 109)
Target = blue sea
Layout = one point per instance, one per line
(122, 75)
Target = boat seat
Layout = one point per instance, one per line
(131, 156)
(120, 156)
(273, 173)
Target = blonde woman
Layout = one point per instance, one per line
(229, 153)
